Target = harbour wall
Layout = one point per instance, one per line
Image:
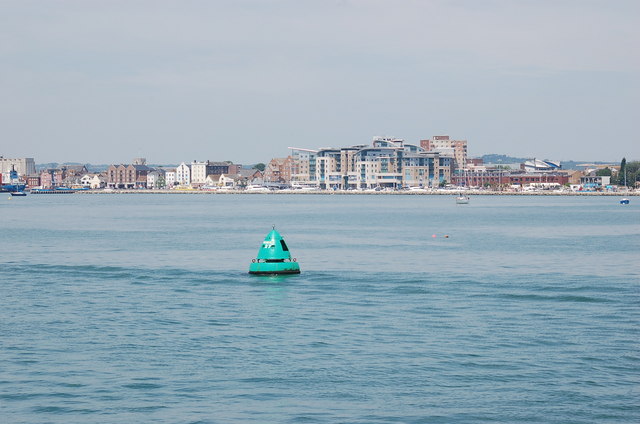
(360, 193)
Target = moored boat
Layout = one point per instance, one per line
(462, 199)
(14, 184)
(257, 189)
(58, 190)
(624, 201)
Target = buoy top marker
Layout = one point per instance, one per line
(274, 247)
(274, 257)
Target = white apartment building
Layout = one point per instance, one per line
(183, 174)
(170, 177)
(199, 172)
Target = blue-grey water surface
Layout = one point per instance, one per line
(139, 308)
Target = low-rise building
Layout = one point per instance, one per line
(86, 179)
(595, 181)
(227, 181)
(156, 179)
(501, 177)
(32, 181)
(212, 180)
(98, 181)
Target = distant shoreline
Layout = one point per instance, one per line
(360, 193)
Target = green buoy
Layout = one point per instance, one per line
(274, 257)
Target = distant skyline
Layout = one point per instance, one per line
(241, 80)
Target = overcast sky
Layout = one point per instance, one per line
(241, 80)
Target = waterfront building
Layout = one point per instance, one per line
(98, 181)
(226, 167)
(278, 170)
(392, 163)
(198, 173)
(85, 180)
(303, 167)
(222, 181)
(227, 181)
(535, 165)
(183, 174)
(504, 178)
(93, 180)
(23, 166)
(595, 181)
(444, 144)
(386, 163)
(427, 169)
(156, 179)
(73, 175)
(170, 177)
(540, 179)
(200, 170)
(250, 177)
(74, 170)
(32, 180)
(574, 176)
(52, 177)
(212, 180)
(64, 176)
(127, 176)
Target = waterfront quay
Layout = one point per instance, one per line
(368, 192)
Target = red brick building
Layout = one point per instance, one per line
(278, 170)
(127, 176)
(501, 177)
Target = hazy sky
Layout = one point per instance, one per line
(107, 81)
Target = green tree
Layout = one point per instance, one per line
(623, 171)
(605, 172)
(259, 166)
(633, 173)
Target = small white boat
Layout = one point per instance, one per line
(462, 200)
(257, 189)
(18, 193)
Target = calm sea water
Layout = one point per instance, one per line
(139, 308)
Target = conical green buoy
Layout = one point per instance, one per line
(274, 257)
